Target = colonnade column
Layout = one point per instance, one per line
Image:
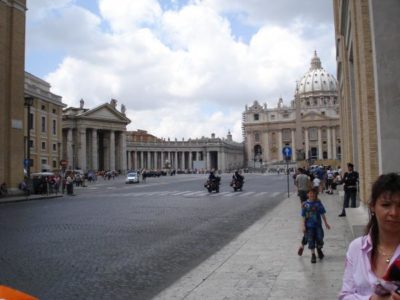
(82, 148)
(129, 155)
(122, 152)
(95, 159)
(183, 160)
(70, 155)
(141, 159)
(294, 157)
(329, 144)
(223, 162)
(135, 160)
(280, 145)
(334, 143)
(148, 159)
(266, 150)
(176, 160)
(162, 159)
(307, 145)
(190, 160)
(112, 150)
(319, 144)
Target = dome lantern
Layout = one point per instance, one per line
(315, 62)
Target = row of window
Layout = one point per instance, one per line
(43, 124)
(287, 134)
(323, 101)
(44, 162)
(43, 107)
(32, 145)
(284, 115)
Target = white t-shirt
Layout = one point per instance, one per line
(316, 182)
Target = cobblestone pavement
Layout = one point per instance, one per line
(117, 241)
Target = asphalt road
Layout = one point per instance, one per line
(118, 241)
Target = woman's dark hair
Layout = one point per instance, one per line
(386, 183)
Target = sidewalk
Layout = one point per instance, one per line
(19, 198)
(262, 262)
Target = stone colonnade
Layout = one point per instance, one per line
(95, 149)
(149, 156)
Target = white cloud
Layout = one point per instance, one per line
(127, 14)
(180, 73)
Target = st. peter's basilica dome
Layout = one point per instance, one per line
(316, 79)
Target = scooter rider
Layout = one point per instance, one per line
(238, 177)
(211, 176)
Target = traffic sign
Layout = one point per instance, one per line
(287, 152)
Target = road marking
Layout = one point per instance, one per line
(192, 194)
(233, 194)
(261, 194)
(180, 193)
(246, 194)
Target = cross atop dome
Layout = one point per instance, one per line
(315, 62)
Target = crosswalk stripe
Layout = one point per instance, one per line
(233, 194)
(195, 194)
(246, 194)
(261, 194)
(224, 193)
(180, 193)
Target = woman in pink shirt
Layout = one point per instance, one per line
(369, 256)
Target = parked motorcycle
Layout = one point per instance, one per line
(236, 184)
(213, 184)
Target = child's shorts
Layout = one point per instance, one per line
(315, 237)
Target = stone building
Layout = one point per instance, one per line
(95, 139)
(368, 72)
(310, 125)
(45, 124)
(12, 65)
(149, 152)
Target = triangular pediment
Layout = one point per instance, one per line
(105, 112)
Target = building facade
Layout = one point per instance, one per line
(309, 126)
(368, 71)
(145, 151)
(95, 139)
(12, 65)
(45, 125)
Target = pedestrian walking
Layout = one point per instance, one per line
(303, 184)
(70, 185)
(312, 212)
(369, 257)
(350, 181)
(329, 180)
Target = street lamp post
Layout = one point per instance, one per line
(28, 103)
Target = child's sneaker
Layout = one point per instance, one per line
(320, 253)
(313, 259)
(300, 251)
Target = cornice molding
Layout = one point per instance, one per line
(15, 4)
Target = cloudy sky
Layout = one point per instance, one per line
(182, 68)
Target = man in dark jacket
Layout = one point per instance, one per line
(350, 181)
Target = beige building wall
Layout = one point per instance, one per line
(367, 40)
(12, 64)
(46, 131)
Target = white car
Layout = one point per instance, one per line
(132, 177)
